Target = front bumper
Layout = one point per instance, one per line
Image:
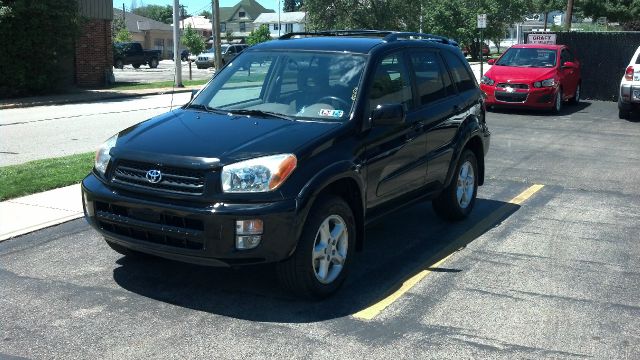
(207, 63)
(197, 233)
(534, 98)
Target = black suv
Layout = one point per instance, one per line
(291, 150)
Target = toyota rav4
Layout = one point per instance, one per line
(291, 150)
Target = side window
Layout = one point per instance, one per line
(565, 56)
(390, 83)
(461, 76)
(232, 50)
(429, 72)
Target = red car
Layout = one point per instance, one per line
(533, 76)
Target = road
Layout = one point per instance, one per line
(52, 131)
(164, 72)
(548, 273)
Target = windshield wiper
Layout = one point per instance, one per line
(256, 112)
(205, 108)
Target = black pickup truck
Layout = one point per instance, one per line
(131, 53)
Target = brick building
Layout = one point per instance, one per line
(93, 64)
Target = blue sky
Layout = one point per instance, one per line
(194, 7)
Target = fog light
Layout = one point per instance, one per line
(248, 233)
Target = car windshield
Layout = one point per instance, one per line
(294, 85)
(527, 57)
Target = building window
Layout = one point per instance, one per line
(243, 27)
(288, 28)
(275, 27)
(223, 27)
(242, 14)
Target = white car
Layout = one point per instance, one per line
(629, 97)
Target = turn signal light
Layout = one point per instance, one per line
(628, 75)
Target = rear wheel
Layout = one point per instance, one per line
(153, 63)
(320, 263)
(457, 200)
(137, 66)
(624, 114)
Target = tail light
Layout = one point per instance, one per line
(628, 75)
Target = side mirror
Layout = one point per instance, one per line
(491, 61)
(569, 65)
(388, 114)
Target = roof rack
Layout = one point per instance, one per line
(386, 35)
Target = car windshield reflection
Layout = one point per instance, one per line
(523, 57)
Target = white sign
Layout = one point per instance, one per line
(547, 39)
(482, 21)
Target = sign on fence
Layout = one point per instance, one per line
(548, 39)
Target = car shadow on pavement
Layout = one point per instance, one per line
(567, 109)
(397, 248)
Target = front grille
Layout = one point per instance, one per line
(514, 86)
(151, 226)
(511, 97)
(174, 180)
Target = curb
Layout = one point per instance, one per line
(92, 97)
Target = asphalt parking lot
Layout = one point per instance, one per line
(164, 72)
(546, 267)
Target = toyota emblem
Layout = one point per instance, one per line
(154, 176)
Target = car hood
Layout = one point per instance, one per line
(207, 55)
(513, 74)
(196, 134)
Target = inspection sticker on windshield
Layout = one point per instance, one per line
(331, 113)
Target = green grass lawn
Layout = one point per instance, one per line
(41, 175)
(153, 85)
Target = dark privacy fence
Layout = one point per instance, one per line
(604, 57)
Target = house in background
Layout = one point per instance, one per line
(239, 19)
(200, 24)
(286, 22)
(149, 33)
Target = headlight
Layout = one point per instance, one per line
(487, 81)
(102, 155)
(545, 83)
(258, 175)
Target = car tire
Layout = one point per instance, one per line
(576, 97)
(557, 102)
(125, 251)
(457, 200)
(153, 63)
(136, 66)
(322, 258)
(119, 64)
(624, 114)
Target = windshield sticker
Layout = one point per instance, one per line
(331, 113)
(354, 93)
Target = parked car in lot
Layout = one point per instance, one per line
(184, 55)
(288, 168)
(533, 76)
(629, 96)
(131, 53)
(207, 58)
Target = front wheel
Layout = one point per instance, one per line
(624, 114)
(456, 201)
(119, 64)
(320, 263)
(557, 105)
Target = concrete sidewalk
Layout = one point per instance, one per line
(38, 211)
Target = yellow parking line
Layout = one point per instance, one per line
(375, 309)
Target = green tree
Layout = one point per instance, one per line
(206, 14)
(259, 35)
(36, 54)
(192, 40)
(357, 14)
(614, 10)
(292, 5)
(123, 35)
(156, 12)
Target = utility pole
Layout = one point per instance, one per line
(176, 43)
(569, 15)
(215, 7)
(125, 24)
